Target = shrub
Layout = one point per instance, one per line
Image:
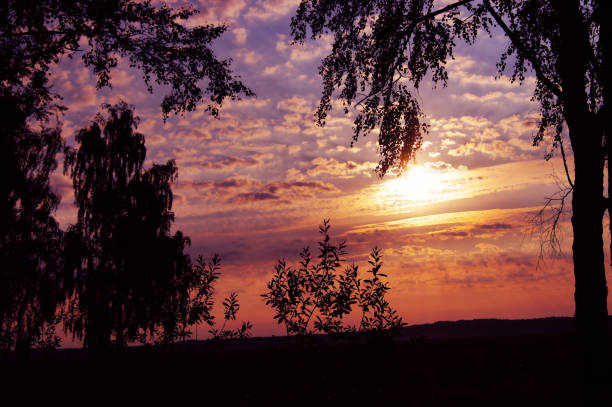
(320, 293)
(192, 303)
(230, 309)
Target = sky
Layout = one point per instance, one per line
(457, 229)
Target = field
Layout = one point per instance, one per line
(508, 368)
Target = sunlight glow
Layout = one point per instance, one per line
(420, 185)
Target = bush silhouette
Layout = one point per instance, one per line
(192, 302)
(230, 309)
(320, 293)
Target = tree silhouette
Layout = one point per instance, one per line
(34, 37)
(382, 46)
(30, 239)
(319, 293)
(126, 263)
(377, 314)
(191, 300)
(230, 309)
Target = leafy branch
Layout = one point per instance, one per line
(321, 293)
(230, 309)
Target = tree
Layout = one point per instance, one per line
(126, 264)
(30, 238)
(319, 293)
(192, 302)
(381, 47)
(34, 37)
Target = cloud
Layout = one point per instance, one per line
(221, 162)
(479, 141)
(341, 169)
(495, 226)
(495, 149)
(288, 191)
(301, 53)
(268, 10)
(248, 57)
(296, 104)
(271, 70)
(240, 35)
(299, 186)
(249, 197)
(218, 11)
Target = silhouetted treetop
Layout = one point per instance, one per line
(128, 270)
(157, 40)
(382, 51)
(109, 157)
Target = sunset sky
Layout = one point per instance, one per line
(456, 229)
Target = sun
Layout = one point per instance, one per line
(418, 185)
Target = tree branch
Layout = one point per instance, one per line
(523, 50)
(569, 178)
(35, 33)
(442, 10)
(547, 225)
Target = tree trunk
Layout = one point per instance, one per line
(588, 204)
(589, 271)
(97, 330)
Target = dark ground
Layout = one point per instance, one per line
(502, 363)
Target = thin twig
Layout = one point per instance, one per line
(547, 226)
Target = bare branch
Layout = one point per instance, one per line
(547, 220)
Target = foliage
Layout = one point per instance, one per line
(230, 309)
(132, 279)
(157, 40)
(48, 339)
(377, 314)
(125, 263)
(381, 47)
(34, 37)
(192, 303)
(30, 238)
(321, 291)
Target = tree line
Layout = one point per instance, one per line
(118, 274)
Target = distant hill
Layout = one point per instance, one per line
(462, 329)
(482, 328)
